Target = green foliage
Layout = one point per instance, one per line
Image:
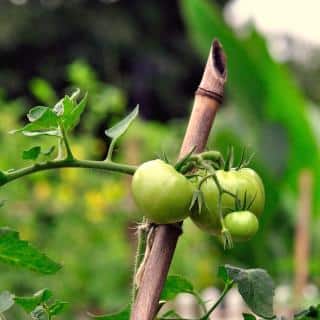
(121, 127)
(256, 288)
(65, 115)
(43, 121)
(30, 303)
(20, 253)
(38, 305)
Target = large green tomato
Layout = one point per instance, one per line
(161, 193)
(242, 225)
(240, 182)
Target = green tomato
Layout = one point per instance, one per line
(161, 193)
(242, 225)
(239, 182)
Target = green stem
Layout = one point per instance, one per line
(226, 236)
(226, 289)
(110, 150)
(66, 163)
(66, 142)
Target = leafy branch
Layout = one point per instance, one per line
(58, 122)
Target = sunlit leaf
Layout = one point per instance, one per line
(36, 113)
(43, 121)
(20, 253)
(121, 127)
(73, 118)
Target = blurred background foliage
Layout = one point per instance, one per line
(149, 53)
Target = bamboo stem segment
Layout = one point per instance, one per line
(207, 100)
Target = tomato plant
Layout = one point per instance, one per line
(220, 198)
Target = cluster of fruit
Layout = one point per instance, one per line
(218, 200)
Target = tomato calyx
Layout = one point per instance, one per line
(212, 158)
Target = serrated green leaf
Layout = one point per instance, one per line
(174, 285)
(31, 303)
(43, 121)
(122, 315)
(36, 113)
(256, 288)
(20, 253)
(6, 301)
(121, 127)
(32, 153)
(248, 316)
(58, 307)
(68, 105)
(71, 120)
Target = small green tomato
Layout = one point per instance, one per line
(242, 225)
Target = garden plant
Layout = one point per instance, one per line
(222, 198)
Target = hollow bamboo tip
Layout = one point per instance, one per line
(215, 73)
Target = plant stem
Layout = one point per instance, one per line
(66, 142)
(66, 163)
(110, 150)
(227, 287)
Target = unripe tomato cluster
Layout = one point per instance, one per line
(164, 196)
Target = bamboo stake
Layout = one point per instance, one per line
(208, 97)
